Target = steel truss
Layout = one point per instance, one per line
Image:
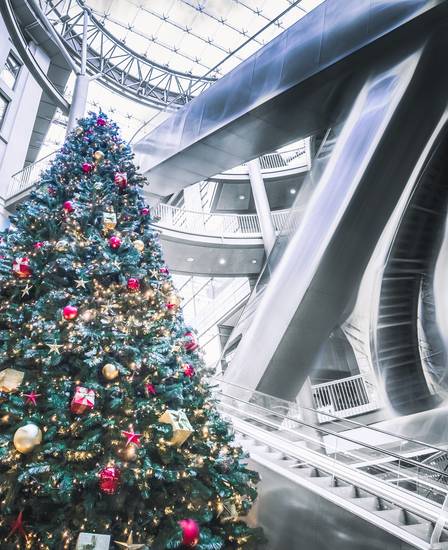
(120, 68)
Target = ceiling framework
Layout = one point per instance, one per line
(187, 37)
(121, 69)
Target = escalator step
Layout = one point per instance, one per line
(421, 530)
(394, 515)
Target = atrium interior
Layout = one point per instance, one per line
(223, 234)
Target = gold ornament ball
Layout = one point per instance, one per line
(88, 315)
(27, 437)
(139, 245)
(110, 372)
(129, 453)
(98, 156)
(79, 131)
(166, 287)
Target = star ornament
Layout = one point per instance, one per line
(26, 290)
(129, 544)
(80, 283)
(132, 437)
(54, 348)
(31, 398)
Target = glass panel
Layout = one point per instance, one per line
(3, 106)
(11, 70)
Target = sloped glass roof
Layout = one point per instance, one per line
(193, 36)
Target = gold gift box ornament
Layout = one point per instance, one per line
(10, 379)
(109, 221)
(182, 429)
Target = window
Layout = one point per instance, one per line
(11, 70)
(3, 106)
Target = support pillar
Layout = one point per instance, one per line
(262, 204)
(79, 100)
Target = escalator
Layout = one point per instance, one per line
(323, 489)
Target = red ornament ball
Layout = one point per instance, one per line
(133, 284)
(87, 167)
(121, 179)
(69, 207)
(70, 312)
(190, 343)
(190, 532)
(144, 211)
(115, 242)
(109, 480)
(21, 268)
(189, 370)
(100, 121)
(38, 245)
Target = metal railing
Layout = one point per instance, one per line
(213, 224)
(390, 465)
(22, 182)
(345, 397)
(276, 161)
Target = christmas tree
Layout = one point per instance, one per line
(108, 424)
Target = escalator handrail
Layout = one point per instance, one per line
(334, 417)
(325, 431)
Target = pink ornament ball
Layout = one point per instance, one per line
(38, 245)
(69, 207)
(70, 312)
(115, 242)
(87, 167)
(189, 370)
(100, 121)
(133, 284)
(190, 532)
(144, 211)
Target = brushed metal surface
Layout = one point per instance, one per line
(285, 91)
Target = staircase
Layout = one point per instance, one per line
(411, 258)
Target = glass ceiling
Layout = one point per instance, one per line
(193, 36)
(186, 35)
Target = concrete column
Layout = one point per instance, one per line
(79, 100)
(192, 198)
(262, 204)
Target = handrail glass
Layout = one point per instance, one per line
(394, 467)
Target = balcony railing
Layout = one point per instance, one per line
(343, 398)
(277, 161)
(213, 224)
(22, 182)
